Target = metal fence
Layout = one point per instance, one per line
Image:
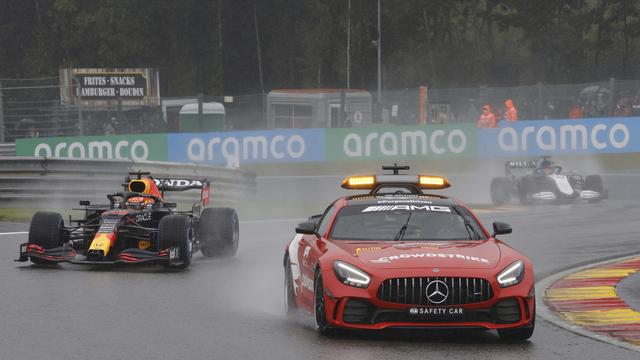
(32, 108)
(31, 182)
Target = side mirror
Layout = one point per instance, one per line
(307, 228)
(500, 228)
(315, 218)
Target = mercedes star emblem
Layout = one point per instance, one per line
(437, 292)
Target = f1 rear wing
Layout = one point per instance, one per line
(509, 166)
(168, 184)
(174, 184)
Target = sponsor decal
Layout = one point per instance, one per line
(432, 245)
(404, 201)
(305, 255)
(407, 207)
(549, 137)
(436, 311)
(400, 142)
(293, 254)
(236, 147)
(143, 217)
(359, 250)
(178, 183)
(389, 259)
(117, 147)
(108, 226)
(307, 282)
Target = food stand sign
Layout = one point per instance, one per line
(111, 86)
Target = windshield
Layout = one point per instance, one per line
(405, 222)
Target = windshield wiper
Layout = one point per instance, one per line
(400, 233)
(467, 226)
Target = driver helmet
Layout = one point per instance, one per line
(135, 203)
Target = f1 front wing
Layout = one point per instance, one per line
(168, 256)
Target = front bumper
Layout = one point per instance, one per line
(169, 256)
(363, 314)
(349, 307)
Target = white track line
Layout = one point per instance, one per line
(15, 233)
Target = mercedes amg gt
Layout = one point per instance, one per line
(396, 257)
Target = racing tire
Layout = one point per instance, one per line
(175, 230)
(500, 190)
(517, 334)
(594, 183)
(319, 310)
(525, 188)
(219, 232)
(290, 305)
(46, 230)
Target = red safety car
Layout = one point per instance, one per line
(400, 258)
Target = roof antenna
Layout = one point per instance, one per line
(395, 168)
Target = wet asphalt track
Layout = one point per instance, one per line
(232, 308)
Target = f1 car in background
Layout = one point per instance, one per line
(137, 226)
(397, 257)
(542, 180)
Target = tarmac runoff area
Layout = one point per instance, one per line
(590, 301)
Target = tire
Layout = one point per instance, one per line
(175, 230)
(319, 310)
(500, 190)
(219, 232)
(290, 305)
(46, 230)
(594, 183)
(525, 188)
(517, 334)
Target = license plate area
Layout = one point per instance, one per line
(442, 314)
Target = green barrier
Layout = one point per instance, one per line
(401, 142)
(151, 147)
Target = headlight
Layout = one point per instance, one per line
(351, 275)
(511, 275)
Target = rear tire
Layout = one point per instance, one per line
(500, 190)
(594, 183)
(219, 232)
(46, 231)
(525, 188)
(175, 230)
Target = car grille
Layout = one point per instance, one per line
(413, 290)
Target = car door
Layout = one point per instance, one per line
(309, 251)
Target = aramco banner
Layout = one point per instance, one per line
(386, 143)
(232, 148)
(143, 147)
(401, 142)
(560, 137)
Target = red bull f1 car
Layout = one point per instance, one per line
(397, 257)
(543, 181)
(137, 226)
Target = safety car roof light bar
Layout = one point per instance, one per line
(376, 182)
